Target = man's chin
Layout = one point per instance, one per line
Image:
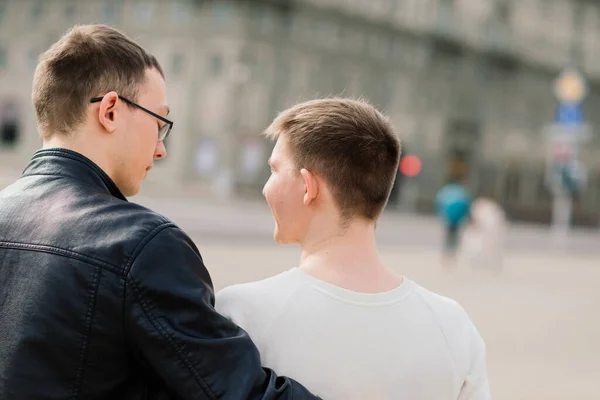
(280, 239)
(131, 191)
(277, 239)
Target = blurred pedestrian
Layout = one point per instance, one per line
(484, 236)
(452, 206)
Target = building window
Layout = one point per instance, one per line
(590, 31)
(37, 11)
(2, 9)
(183, 10)
(341, 79)
(596, 183)
(445, 13)
(110, 12)
(353, 39)
(542, 190)
(222, 13)
(33, 56)
(3, 58)
(512, 185)
(379, 45)
(323, 32)
(70, 9)
(9, 125)
(486, 181)
(143, 11)
(503, 12)
(318, 78)
(216, 65)
(177, 65)
(263, 18)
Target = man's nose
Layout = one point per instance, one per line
(160, 151)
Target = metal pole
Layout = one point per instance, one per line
(561, 217)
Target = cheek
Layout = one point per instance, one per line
(149, 137)
(284, 194)
(271, 191)
(143, 133)
(275, 189)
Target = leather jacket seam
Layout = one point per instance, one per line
(136, 252)
(165, 333)
(42, 248)
(140, 246)
(89, 318)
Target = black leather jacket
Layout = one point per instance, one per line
(101, 298)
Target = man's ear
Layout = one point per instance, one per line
(107, 111)
(311, 184)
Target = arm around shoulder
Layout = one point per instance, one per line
(170, 318)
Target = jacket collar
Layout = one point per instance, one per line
(68, 163)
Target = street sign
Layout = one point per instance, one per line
(569, 114)
(570, 86)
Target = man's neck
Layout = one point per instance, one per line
(349, 259)
(87, 149)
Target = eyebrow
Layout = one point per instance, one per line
(167, 109)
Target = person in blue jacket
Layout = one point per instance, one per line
(452, 206)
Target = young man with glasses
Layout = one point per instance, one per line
(101, 298)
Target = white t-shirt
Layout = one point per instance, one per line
(405, 344)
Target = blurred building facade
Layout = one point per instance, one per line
(468, 83)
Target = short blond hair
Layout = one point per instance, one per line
(88, 61)
(350, 144)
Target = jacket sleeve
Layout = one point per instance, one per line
(170, 318)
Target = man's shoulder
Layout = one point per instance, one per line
(263, 289)
(454, 322)
(240, 300)
(136, 226)
(136, 219)
(446, 310)
(121, 229)
(77, 212)
(139, 210)
(462, 337)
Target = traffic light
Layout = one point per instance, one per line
(410, 165)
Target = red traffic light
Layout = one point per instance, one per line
(410, 165)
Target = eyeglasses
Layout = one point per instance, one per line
(163, 131)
